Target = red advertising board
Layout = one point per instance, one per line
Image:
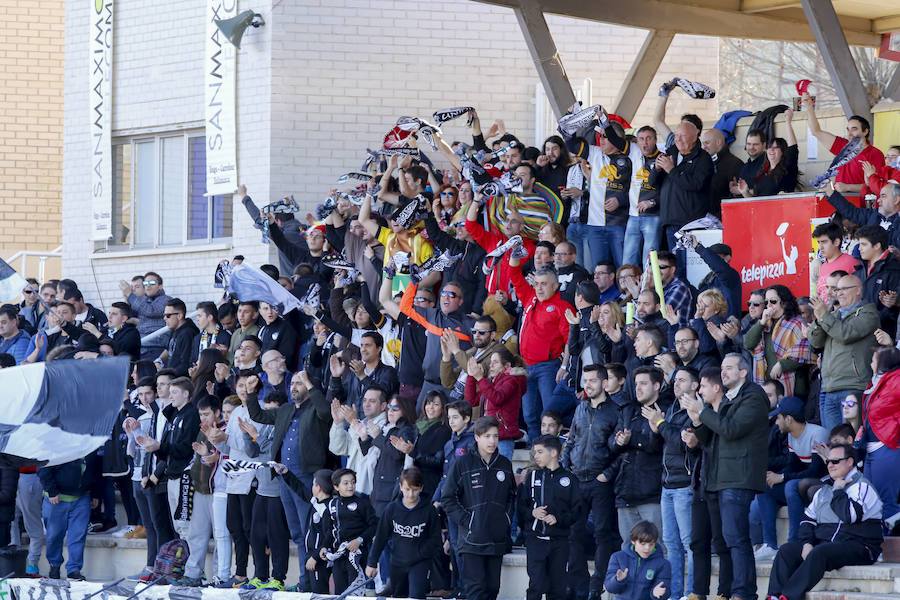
(771, 239)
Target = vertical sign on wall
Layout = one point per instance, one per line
(221, 142)
(100, 100)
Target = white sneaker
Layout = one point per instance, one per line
(121, 533)
(765, 553)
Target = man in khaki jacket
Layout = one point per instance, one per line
(454, 360)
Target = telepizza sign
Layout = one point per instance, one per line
(771, 239)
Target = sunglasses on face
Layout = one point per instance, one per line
(836, 461)
(393, 407)
(449, 294)
(481, 332)
(150, 282)
(447, 194)
(848, 403)
(773, 302)
(29, 292)
(755, 304)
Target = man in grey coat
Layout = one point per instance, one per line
(149, 307)
(847, 337)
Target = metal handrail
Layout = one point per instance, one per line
(23, 255)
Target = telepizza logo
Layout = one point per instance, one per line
(760, 273)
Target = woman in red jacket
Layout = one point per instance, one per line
(499, 393)
(879, 431)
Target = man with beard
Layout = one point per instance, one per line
(638, 452)
(304, 420)
(587, 455)
(849, 179)
(737, 437)
(454, 359)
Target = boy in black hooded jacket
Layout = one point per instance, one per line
(548, 506)
(478, 495)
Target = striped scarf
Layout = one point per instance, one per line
(788, 342)
(850, 151)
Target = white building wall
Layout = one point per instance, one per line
(320, 82)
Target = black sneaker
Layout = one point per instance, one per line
(76, 576)
(54, 573)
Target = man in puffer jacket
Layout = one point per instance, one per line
(842, 526)
(478, 496)
(588, 457)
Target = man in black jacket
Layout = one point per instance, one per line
(278, 334)
(736, 433)
(678, 462)
(885, 216)
(682, 175)
(478, 496)
(547, 507)
(880, 274)
(174, 451)
(638, 452)
(125, 336)
(299, 442)
(351, 378)
(722, 276)
(67, 511)
(588, 457)
(178, 354)
(726, 167)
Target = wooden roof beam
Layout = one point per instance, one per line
(690, 20)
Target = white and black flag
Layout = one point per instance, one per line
(59, 411)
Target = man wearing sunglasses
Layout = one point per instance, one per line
(454, 359)
(149, 308)
(841, 527)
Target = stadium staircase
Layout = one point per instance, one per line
(108, 558)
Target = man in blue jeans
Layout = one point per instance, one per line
(543, 337)
(783, 488)
(300, 441)
(642, 233)
(734, 428)
(66, 512)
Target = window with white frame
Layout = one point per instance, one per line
(159, 193)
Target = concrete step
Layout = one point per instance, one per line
(880, 578)
(108, 558)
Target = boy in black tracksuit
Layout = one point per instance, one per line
(322, 491)
(412, 524)
(349, 520)
(478, 494)
(548, 506)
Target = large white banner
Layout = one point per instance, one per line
(221, 142)
(100, 119)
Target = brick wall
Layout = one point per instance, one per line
(319, 83)
(31, 136)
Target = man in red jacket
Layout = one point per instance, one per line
(542, 338)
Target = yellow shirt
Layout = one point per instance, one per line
(422, 250)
